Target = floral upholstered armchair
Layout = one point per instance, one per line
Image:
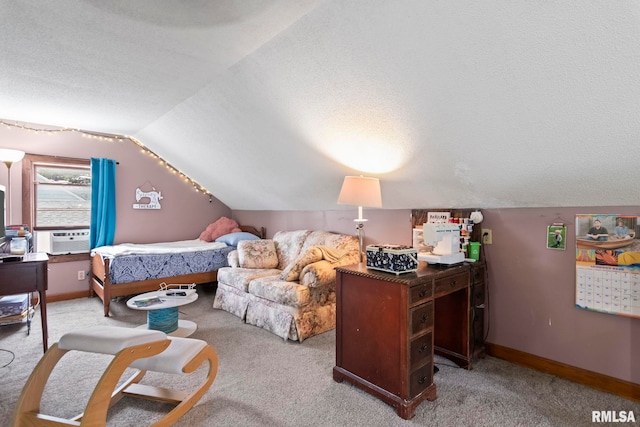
(286, 284)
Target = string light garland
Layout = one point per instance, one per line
(111, 138)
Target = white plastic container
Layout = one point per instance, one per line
(18, 246)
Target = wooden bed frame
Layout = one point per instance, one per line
(100, 282)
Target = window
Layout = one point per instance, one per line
(56, 193)
(62, 195)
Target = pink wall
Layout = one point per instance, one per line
(184, 213)
(383, 226)
(532, 305)
(529, 285)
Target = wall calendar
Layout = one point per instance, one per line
(608, 264)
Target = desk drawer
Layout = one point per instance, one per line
(421, 318)
(421, 351)
(451, 283)
(19, 279)
(420, 292)
(420, 379)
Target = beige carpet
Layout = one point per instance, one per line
(263, 380)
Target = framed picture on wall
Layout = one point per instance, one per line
(556, 237)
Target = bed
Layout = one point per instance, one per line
(129, 269)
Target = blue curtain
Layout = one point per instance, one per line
(103, 202)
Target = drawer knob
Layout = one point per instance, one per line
(423, 380)
(453, 283)
(423, 293)
(424, 318)
(424, 347)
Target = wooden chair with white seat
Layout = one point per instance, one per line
(141, 349)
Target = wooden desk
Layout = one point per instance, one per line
(389, 326)
(28, 275)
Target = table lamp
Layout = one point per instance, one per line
(360, 191)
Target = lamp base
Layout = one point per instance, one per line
(360, 229)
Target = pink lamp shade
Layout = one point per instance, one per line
(361, 191)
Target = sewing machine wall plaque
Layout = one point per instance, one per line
(153, 196)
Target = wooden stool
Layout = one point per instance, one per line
(142, 349)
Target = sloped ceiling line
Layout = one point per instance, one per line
(513, 104)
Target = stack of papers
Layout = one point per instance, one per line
(146, 302)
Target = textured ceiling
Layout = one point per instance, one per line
(268, 104)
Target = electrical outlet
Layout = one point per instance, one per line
(81, 275)
(487, 236)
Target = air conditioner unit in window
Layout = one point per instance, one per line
(62, 242)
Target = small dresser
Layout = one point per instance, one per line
(389, 326)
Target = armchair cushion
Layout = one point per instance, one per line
(239, 278)
(319, 273)
(273, 289)
(257, 254)
(232, 259)
(292, 271)
(289, 245)
(323, 273)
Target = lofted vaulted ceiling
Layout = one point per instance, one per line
(269, 103)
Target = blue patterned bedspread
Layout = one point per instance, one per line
(132, 268)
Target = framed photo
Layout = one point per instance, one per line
(557, 237)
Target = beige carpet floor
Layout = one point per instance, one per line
(265, 381)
